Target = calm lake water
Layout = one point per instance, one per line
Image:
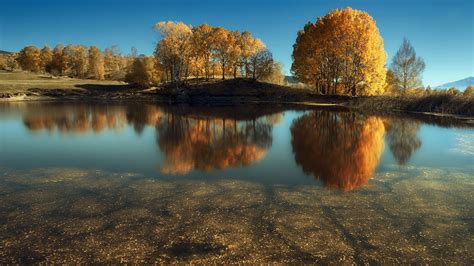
(147, 183)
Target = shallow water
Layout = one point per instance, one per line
(147, 183)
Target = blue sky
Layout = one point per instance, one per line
(442, 32)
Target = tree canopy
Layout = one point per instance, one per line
(341, 53)
(206, 51)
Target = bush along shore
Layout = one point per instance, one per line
(441, 103)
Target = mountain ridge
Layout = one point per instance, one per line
(459, 84)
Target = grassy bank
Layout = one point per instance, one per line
(26, 86)
(14, 84)
(438, 103)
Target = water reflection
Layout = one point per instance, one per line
(141, 115)
(94, 194)
(79, 119)
(403, 138)
(211, 143)
(342, 149)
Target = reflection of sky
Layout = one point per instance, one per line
(439, 148)
(113, 150)
(125, 151)
(464, 144)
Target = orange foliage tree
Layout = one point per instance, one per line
(342, 53)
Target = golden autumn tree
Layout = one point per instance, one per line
(261, 64)
(29, 59)
(96, 63)
(112, 62)
(341, 53)
(116, 65)
(275, 75)
(340, 149)
(59, 60)
(469, 90)
(248, 47)
(201, 42)
(8, 62)
(173, 51)
(144, 72)
(224, 48)
(78, 60)
(235, 53)
(256, 52)
(46, 58)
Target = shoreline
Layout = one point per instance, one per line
(227, 101)
(239, 92)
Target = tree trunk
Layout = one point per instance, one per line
(223, 71)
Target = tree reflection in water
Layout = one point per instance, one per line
(73, 118)
(83, 118)
(205, 144)
(402, 136)
(202, 142)
(342, 149)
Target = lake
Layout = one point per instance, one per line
(138, 182)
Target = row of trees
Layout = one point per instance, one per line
(182, 52)
(204, 51)
(75, 60)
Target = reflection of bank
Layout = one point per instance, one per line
(192, 143)
(341, 149)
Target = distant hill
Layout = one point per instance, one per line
(459, 84)
(5, 52)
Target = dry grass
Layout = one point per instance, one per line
(442, 103)
(21, 82)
